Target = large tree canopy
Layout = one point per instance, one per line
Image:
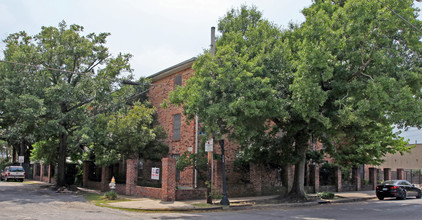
(49, 80)
(344, 77)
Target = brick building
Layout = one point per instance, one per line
(182, 137)
(133, 175)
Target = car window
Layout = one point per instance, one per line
(390, 182)
(16, 169)
(405, 183)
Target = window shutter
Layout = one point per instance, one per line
(176, 127)
(178, 80)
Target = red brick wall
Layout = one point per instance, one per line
(168, 181)
(35, 168)
(120, 188)
(93, 185)
(147, 192)
(187, 194)
(157, 95)
(131, 174)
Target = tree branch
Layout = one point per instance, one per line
(80, 104)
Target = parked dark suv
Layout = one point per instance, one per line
(13, 172)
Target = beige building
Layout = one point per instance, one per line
(411, 160)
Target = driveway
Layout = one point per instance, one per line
(35, 200)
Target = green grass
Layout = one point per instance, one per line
(101, 200)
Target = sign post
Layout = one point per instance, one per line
(209, 147)
(21, 159)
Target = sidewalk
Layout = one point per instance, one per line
(147, 204)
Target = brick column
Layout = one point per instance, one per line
(85, 174)
(49, 173)
(387, 174)
(34, 171)
(337, 176)
(41, 172)
(314, 176)
(356, 178)
(256, 178)
(217, 177)
(373, 177)
(105, 178)
(400, 174)
(288, 177)
(168, 181)
(131, 174)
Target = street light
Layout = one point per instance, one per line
(224, 200)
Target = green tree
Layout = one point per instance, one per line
(343, 77)
(68, 71)
(133, 132)
(20, 104)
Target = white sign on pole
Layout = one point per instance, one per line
(209, 145)
(155, 173)
(21, 159)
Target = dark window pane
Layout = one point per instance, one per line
(178, 80)
(176, 156)
(176, 127)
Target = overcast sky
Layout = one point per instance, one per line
(158, 33)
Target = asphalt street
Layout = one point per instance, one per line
(32, 201)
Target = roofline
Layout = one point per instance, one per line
(171, 70)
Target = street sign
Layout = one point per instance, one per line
(21, 159)
(209, 145)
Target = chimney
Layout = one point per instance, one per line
(213, 41)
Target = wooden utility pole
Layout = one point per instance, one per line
(210, 153)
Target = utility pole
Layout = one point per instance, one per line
(224, 200)
(210, 153)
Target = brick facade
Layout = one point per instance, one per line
(255, 181)
(356, 177)
(338, 180)
(131, 175)
(373, 177)
(387, 173)
(159, 92)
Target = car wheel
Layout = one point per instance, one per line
(380, 197)
(419, 195)
(403, 195)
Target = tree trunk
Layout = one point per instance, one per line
(298, 189)
(14, 152)
(61, 171)
(28, 154)
(22, 149)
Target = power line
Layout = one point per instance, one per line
(38, 66)
(400, 16)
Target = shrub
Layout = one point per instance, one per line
(326, 195)
(111, 195)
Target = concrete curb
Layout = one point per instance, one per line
(248, 206)
(193, 209)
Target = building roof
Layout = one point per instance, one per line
(173, 69)
(411, 134)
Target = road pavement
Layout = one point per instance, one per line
(32, 201)
(36, 200)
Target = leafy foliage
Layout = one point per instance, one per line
(56, 83)
(326, 195)
(112, 195)
(343, 77)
